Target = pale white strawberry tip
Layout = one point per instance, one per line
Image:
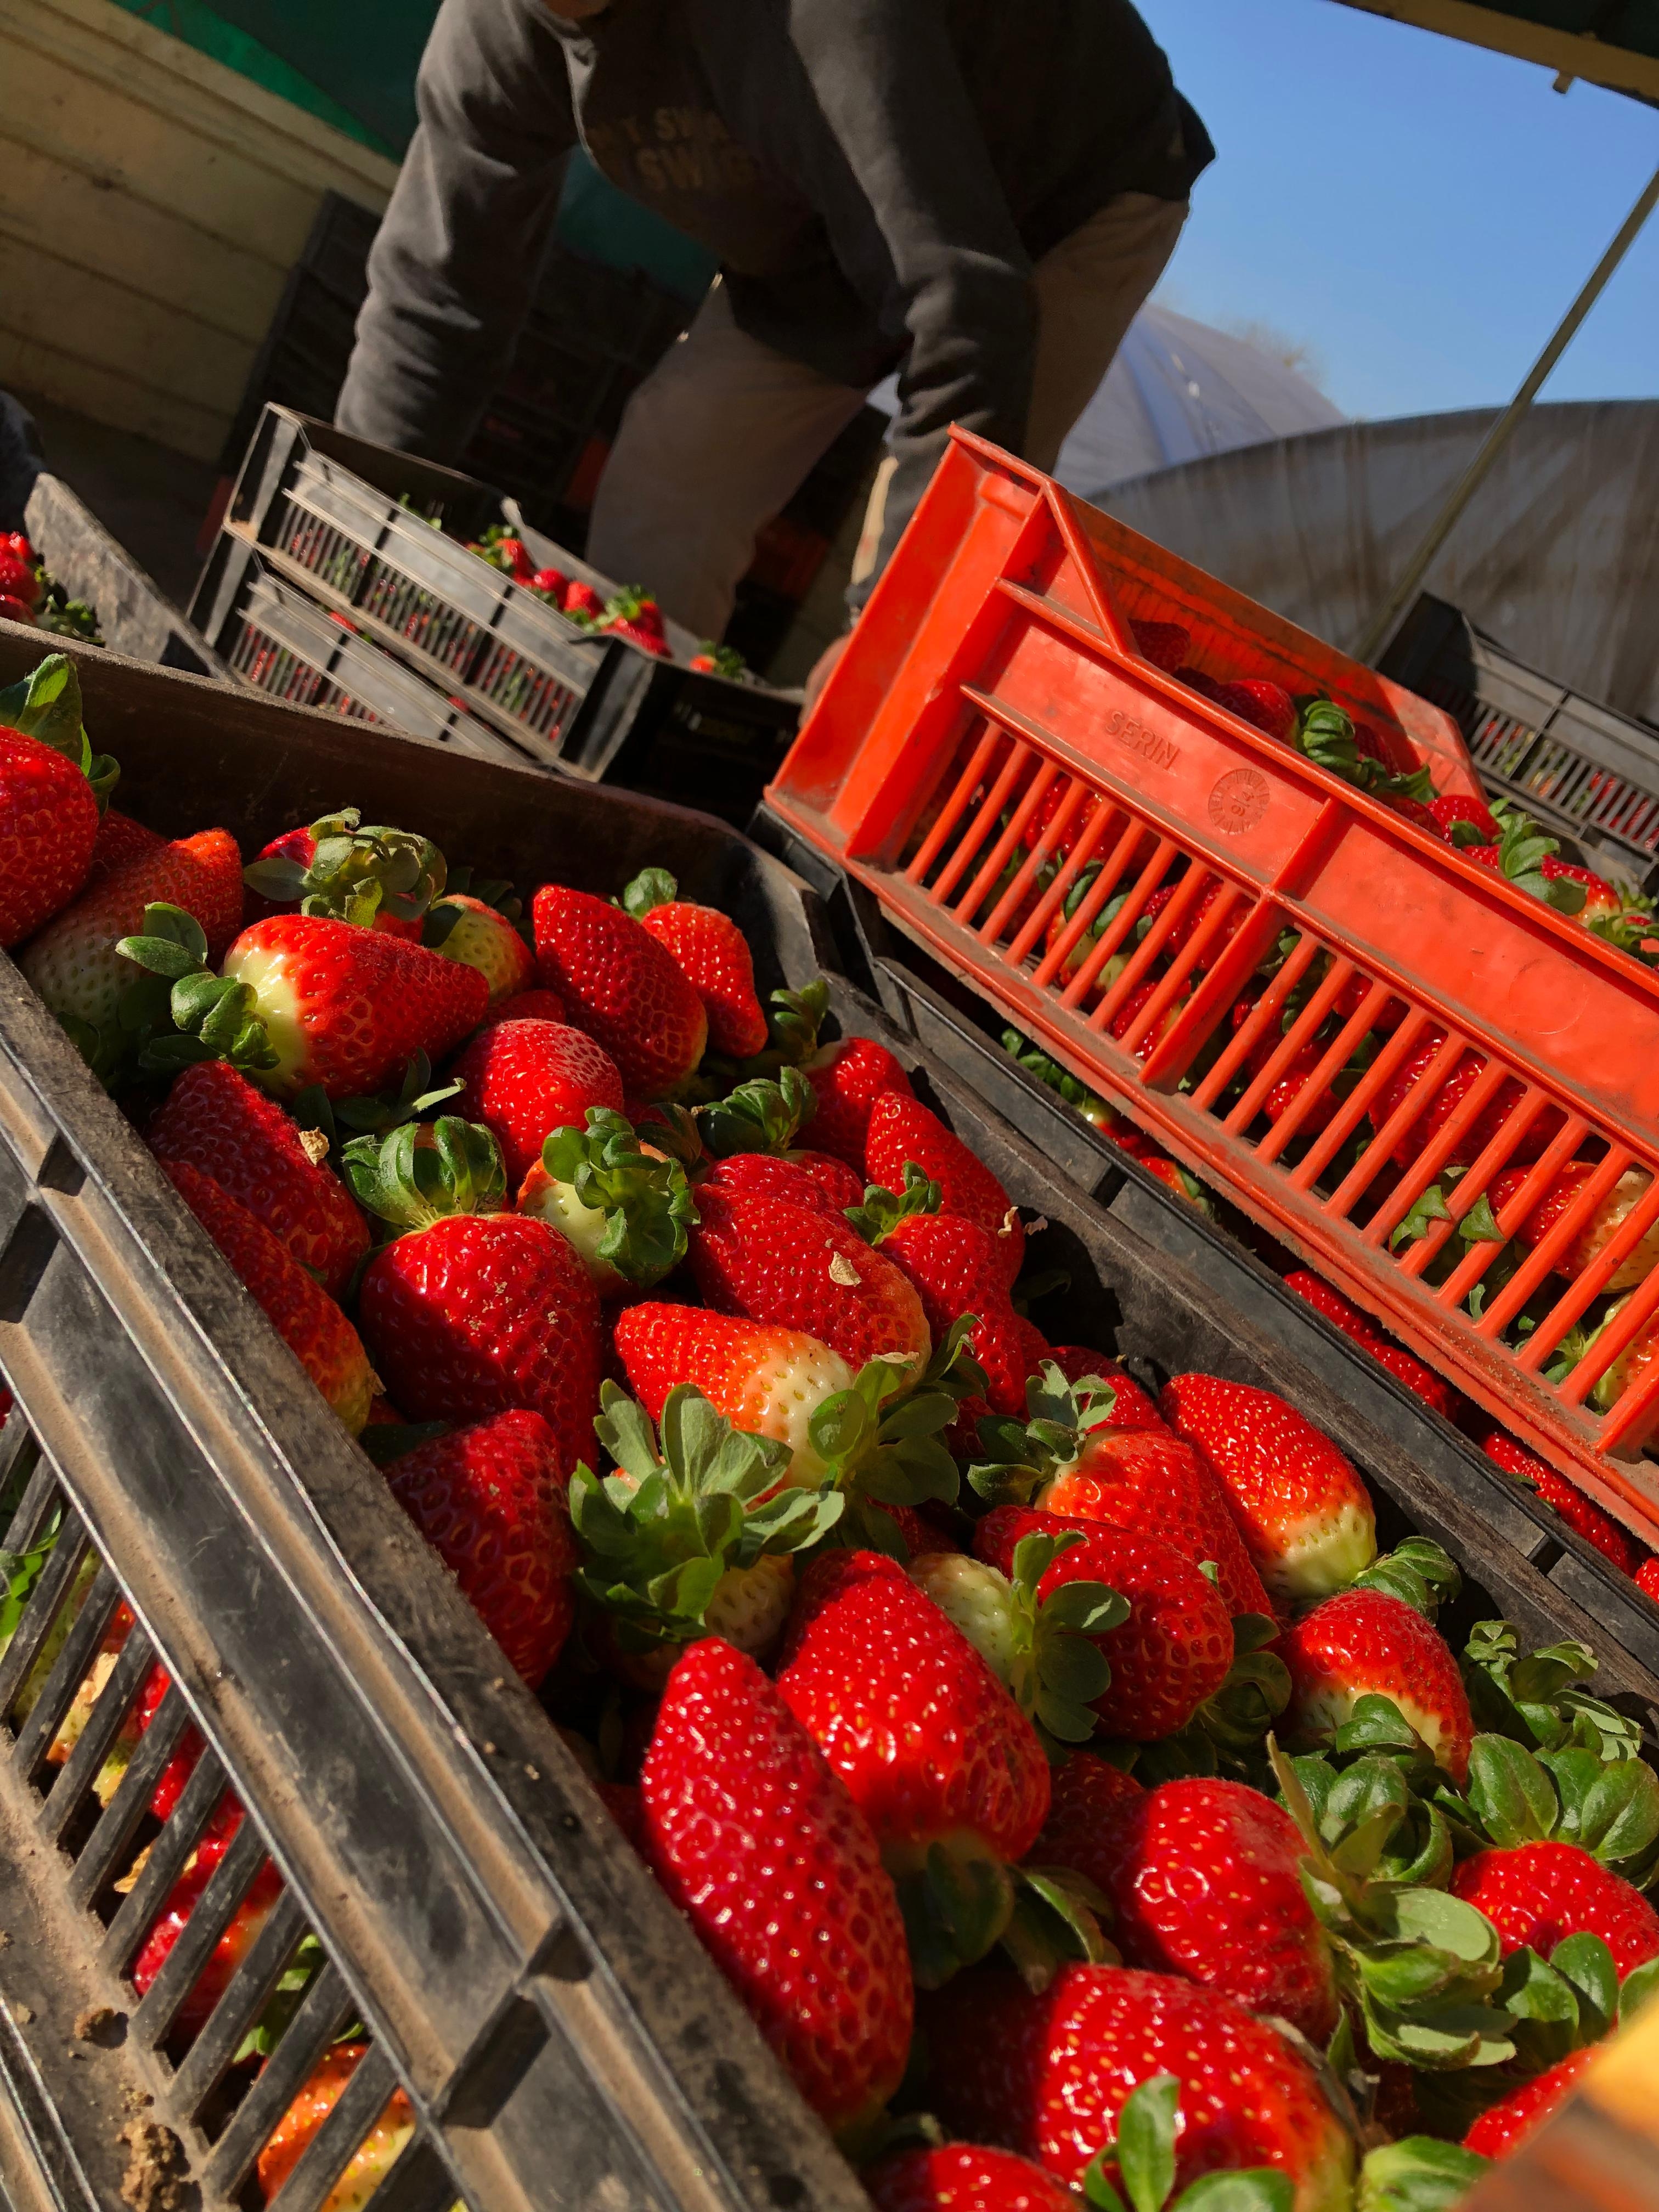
(1319, 1556)
(1325, 1707)
(264, 969)
(786, 1390)
(975, 1599)
(582, 1227)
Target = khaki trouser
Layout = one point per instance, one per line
(722, 432)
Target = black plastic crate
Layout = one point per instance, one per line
(560, 2036)
(1581, 769)
(350, 524)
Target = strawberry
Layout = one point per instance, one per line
(1579, 1511)
(1366, 1642)
(1478, 822)
(525, 1079)
(1068, 1459)
(1647, 1576)
(16, 610)
(936, 1755)
(1195, 680)
(625, 1208)
(962, 2177)
(19, 580)
(1437, 1109)
(692, 1537)
(470, 1313)
(1047, 2076)
(1304, 1514)
(1504, 2127)
(119, 839)
(47, 833)
(550, 584)
(1089, 1798)
(1182, 935)
(772, 1261)
(233, 1947)
(846, 1079)
(959, 1268)
(1414, 811)
(215, 1119)
(73, 964)
(581, 602)
(1591, 1238)
(1601, 902)
(490, 1500)
(812, 1179)
(378, 877)
(763, 1848)
(375, 2157)
(1359, 1329)
(1171, 1652)
(465, 928)
(1132, 1407)
(301, 1311)
(532, 1005)
(622, 987)
(1166, 644)
(901, 1130)
(711, 953)
(766, 1380)
(1535, 1893)
(1204, 1879)
(1255, 699)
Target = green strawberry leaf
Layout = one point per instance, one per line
(1417, 2173)
(420, 1172)
(1585, 1962)
(1509, 1792)
(1430, 1206)
(883, 1210)
(763, 1116)
(1057, 1919)
(47, 706)
(1145, 2142)
(1638, 1989)
(1419, 1572)
(645, 1202)
(651, 888)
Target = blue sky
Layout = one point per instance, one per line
(1418, 212)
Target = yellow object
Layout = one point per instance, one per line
(152, 203)
(1624, 2078)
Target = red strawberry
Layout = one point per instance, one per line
(1504, 2127)
(1414, 811)
(1257, 700)
(1454, 807)
(580, 599)
(1437, 1109)
(772, 1261)
(371, 2161)
(73, 963)
(1088, 1801)
(16, 610)
(1182, 935)
(1047, 2076)
(233, 1946)
(962, 2177)
(298, 1308)
(490, 1500)
(1422, 1381)
(1534, 1894)
(215, 1119)
(814, 1179)
(20, 581)
(1591, 1238)
(182, 1765)
(959, 1268)
(478, 1313)
(622, 987)
(766, 1380)
(513, 554)
(347, 1008)
(936, 1753)
(1205, 1881)
(1602, 901)
(532, 1005)
(713, 954)
(1647, 1576)
(901, 1129)
(1173, 1652)
(848, 1078)
(1366, 1643)
(485, 940)
(1132, 1407)
(377, 877)
(1579, 1511)
(1304, 1514)
(1166, 644)
(1196, 680)
(525, 1079)
(119, 839)
(759, 1843)
(551, 583)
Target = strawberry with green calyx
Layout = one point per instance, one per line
(763, 1116)
(1370, 1642)
(377, 1114)
(46, 705)
(1417, 2173)
(881, 1440)
(765, 1380)
(1524, 855)
(712, 659)
(425, 1171)
(692, 1537)
(936, 1753)
(1375, 1783)
(621, 985)
(303, 999)
(1326, 734)
(1140, 2165)
(1424, 1968)
(376, 877)
(903, 1131)
(484, 935)
(632, 613)
(1417, 1571)
(626, 1210)
(882, 1210)
(1464, 820)
(1537, 1700)
(1606, 1813)
(715, 956)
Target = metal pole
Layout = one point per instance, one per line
(1377, 637)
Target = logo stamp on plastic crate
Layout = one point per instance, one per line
(1239, 800)
(1159, 751)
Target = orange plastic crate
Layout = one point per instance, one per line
(991, 734)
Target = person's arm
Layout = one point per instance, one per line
(886, 78)
(454, 268)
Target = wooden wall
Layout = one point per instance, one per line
(152, 203)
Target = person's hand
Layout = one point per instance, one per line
(823, 669)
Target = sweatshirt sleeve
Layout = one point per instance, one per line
(453, 269)
(887, 80)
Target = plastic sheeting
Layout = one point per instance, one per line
(1557, 558)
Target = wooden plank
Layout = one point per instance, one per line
(26, 366)
(163, 258)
